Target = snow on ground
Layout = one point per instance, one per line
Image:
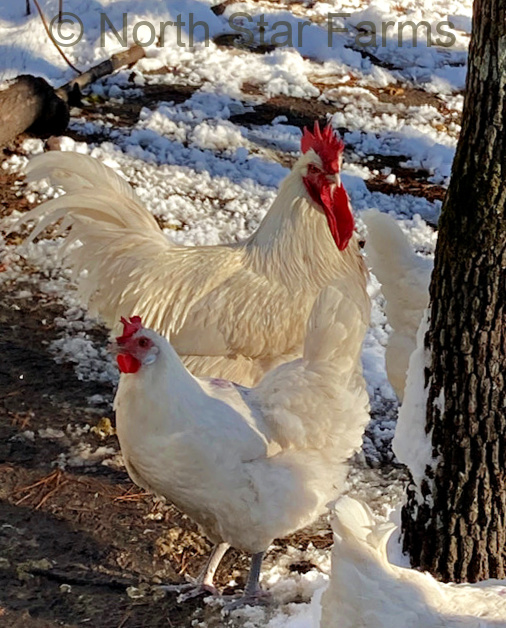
(209, 177)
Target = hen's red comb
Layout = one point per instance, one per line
(129, 328)
(328, 146)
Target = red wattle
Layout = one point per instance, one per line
(336, 206)
(127, 363)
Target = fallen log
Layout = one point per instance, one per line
(29, 103)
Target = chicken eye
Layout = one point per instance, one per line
(143, 342)
(312, 169)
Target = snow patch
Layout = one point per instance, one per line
(412, 444)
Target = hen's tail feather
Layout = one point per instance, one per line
(366, 590)
(403, 274)
(359, 569)
(405, 278)
(337, 324)
(354, 524)
(328, 381)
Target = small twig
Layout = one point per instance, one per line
(48, 495)
(20, 501)
(183, 563)
(49, 479)
(22, 422)
(50, 35)
(129, 490)
(28, 9)
(125, 619)
(60, 10)
(83, 578)
(130, 496)
(44, 480)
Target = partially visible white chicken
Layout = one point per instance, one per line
(232, 311)
(366, 591)
(248, 465)
(405, 278)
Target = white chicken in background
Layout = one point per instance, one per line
(367, 591)
(232, 311)
(248, 465)
(405, 278)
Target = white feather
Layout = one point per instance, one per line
(405, 278)
(366, 591)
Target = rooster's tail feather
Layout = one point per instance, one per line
(75, 172)
(119, 243)
(94, 194)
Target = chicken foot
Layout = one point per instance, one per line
(253, 594)
(204, 583)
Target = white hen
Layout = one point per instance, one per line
(248, 465)
(366, 591)
(405, 278)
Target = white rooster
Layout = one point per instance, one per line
(247, 464)
(367, 591)
(232, 311)
(405, 278)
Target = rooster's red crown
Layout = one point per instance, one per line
(326, 145)
(129, 328)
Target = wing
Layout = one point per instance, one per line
(257, 317)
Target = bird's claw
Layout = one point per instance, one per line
(259, 598)
(188, 590)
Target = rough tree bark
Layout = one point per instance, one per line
(455, 527)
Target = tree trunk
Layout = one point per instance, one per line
(455, 525)
(30, 104)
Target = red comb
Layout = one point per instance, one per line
(129, 328)
(328, 146)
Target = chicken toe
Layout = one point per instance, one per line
(203, 584)
(253, 594)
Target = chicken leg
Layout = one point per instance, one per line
(253, 593)
(204, 582)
